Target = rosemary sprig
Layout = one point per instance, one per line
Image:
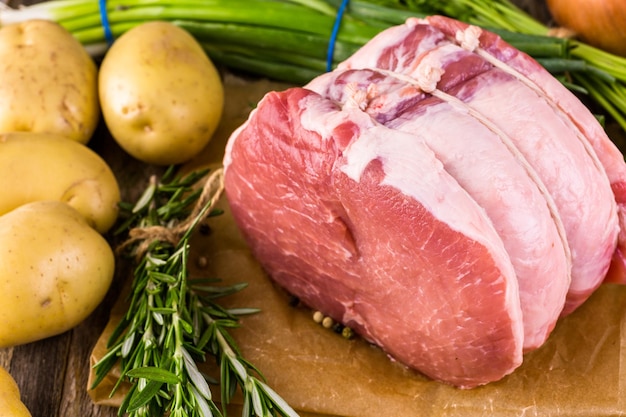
(172, 321)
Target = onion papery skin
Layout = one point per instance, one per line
(601, 23)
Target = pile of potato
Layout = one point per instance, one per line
(160, 97)
(11, 404)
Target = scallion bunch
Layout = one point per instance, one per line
(289, 40)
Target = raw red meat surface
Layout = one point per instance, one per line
(440, 193)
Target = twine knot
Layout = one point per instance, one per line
(144, 237)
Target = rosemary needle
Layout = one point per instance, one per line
(173, 322)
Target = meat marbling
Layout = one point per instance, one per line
(430, 198)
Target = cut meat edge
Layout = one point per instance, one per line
(510, 317)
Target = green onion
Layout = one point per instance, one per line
(288, 39)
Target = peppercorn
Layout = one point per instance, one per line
(318, 317)
(327, 322)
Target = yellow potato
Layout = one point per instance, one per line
(54, 271)
(10, 402)
(48, 82)
(48, 167)
(161, 96)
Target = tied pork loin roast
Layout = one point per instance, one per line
(439, 192)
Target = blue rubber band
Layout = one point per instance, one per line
(104, 17)
(333, 36)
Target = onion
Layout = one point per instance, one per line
(601, 23)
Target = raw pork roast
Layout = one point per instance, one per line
(439, 192)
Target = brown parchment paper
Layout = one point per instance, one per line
(580, 371)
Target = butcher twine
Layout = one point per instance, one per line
(211, 192)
